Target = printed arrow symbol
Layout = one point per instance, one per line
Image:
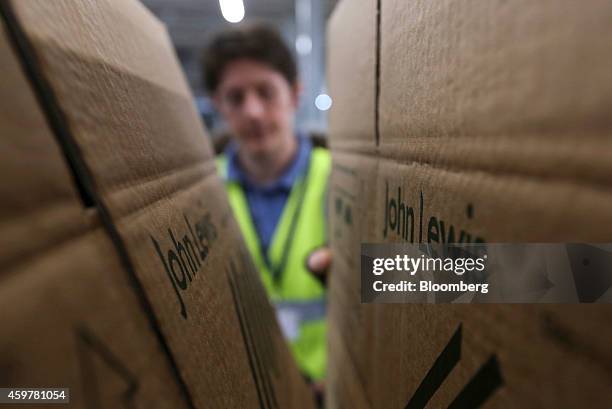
(88, 344)
(487, 379)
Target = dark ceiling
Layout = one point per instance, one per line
(191, 23)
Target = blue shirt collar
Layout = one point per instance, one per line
(298, 166)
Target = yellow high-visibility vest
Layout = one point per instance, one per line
(299, 298)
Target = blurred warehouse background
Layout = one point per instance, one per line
(192, 23)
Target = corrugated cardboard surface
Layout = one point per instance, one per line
(70, 317)
(505, 88)
(71, 320)
(351, 219)
(494, 125)
(549, 356)
(351, 63)
(30, 218)
(129, 120)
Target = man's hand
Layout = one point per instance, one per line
(319, 263)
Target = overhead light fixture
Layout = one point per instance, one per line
(303, 44)
(323, 102)
(232, 10)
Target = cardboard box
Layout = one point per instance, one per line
(107, 78)
(70, 316)
(493, 125)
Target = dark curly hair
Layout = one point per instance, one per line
(259, 42)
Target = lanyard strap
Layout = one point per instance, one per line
(277, 271)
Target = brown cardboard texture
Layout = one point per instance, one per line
(352, 181)
(70, 316)
(522, 88)
(126, 111)
(494, 126)
(351, 64)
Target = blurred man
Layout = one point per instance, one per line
(276, 181)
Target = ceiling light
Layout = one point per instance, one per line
(232, 10)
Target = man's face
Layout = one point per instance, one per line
(258, 104)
